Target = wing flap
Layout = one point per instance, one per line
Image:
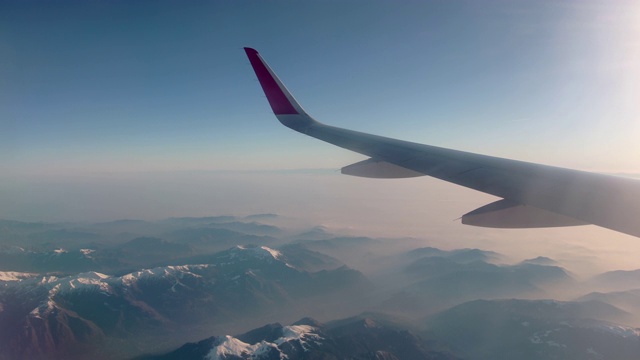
(507, 214)
(373, 168)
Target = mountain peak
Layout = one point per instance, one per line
(243, 253)
(261, 251)
(309, 321)
(540, 260)
(301, 333)
(228, 347)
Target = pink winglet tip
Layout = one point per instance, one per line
(279, 102)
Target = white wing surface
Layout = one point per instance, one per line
(533, 195)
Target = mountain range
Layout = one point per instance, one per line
(242, 284)
(126, 288)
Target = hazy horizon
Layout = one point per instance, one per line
(421, 208)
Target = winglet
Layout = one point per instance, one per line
(273, 88)
(283, 104)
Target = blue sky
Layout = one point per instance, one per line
(147, 85)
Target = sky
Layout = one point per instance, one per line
(147, 109)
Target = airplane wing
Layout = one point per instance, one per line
(532, 195)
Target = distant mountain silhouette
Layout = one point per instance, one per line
(541, 260)
(539, 329)
(619, 280)
(267, 216)
(458, 255)
(316, 233)
(215, 239)
(440, 282)
(626, 300)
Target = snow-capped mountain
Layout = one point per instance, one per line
(353, 338)
(236, 285)
(293, 339)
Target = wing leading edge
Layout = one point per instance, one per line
(534, 195)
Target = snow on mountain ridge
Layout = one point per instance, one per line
(87, 253)
(620, 330)
(43, 308)
(261, 251)
(302, 333)
(246, 252)
(52, 291)
(57, 284)
(89, 281)
(176, 271)
(15, 275)
(230, 346)
(95, 281)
